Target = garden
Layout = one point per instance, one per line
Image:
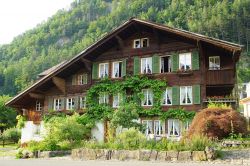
(212, 128)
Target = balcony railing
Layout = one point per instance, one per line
(219, 77)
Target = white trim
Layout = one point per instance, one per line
(105, 65)
(38, 106)
(142, 39)
(134, 43)
(83, 106)
(185, 60)
(70, 104)
(173, 126)
(81, 80)
(148, 61)
(113, 69)
(147, 97)
(213, 67)
(170, 65)
(186, 93)
(166, 92)
(57, 104)
(118, 101)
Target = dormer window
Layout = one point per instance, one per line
(38, 106)
(141, 43)
(82, 79)
(103, 70)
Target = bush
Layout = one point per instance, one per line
(130, 139)
(12, 134)
(217, 123)
(199, 143)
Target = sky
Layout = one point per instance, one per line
(17, 16)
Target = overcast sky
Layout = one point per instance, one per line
(17, 16)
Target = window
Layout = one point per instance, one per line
(214, 63)
(103, 98)
(117, 69)
(166, 64)
(137, 43)
(158, 129)
(141, 43)
(38, 106)
(146, 65)
(116, 100)
(37, 130)
(103, 70)
(82, 102)
(82, 79)
(185, 61)
(148, 97)
(70, 104)
(57, 104)
(149, 126)
(187, 125)
(186, 95)
(153, 127)
(144, 42)
(167, 97)
(173, 127)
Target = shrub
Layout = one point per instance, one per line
(199, 143)
(12, 134)
(217, 123)
(130, 139)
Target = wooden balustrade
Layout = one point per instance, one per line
(219, 77)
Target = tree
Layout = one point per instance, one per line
(7, 115)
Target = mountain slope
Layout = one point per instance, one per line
(70, 31)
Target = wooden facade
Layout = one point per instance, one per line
(119, 46)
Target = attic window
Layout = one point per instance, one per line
(141, 43)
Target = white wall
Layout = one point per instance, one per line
(29, 132)
(246, 111)
(98, 132)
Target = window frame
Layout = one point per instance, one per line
(105, 97)
(173, 127)
(99, 71)
(113, 69)
(39, 107)
(214, 58)
(165, 96)
(170, 65)
(147, 128)
(80, 79)
(118, 101)
(134, 43)
(186, 94)
(147, 97)
(185, 63)
(72, 103)
(146, 63)
(83, 106)
(57, 104)
(141, 43)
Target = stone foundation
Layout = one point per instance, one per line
(143, 155)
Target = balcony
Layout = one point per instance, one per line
(220, 77)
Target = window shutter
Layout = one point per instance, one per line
(136, 65)
(63, 103)
(74, 79)
(175, 62)
(124, 67)
(156, 64)
(77, 103)
(95, 71)
(196, 94)
(50, 103)
(176, 95)
(195, 60)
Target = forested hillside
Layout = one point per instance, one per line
(70, 31)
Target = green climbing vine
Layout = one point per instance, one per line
(178, 113)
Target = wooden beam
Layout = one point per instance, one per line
(60, 84)
(36, 95)
(87, 64)
(120, 41)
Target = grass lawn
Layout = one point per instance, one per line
(8, 150)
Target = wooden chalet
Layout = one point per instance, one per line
(197, 69)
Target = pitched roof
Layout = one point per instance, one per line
(220, 43)
(46, 72)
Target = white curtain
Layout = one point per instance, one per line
(150, 97)
(189, 94)
(176, 127)
(150, 127)
(183, 95)
(149, 65)
(169, 96)
(116, 69)
(143, 65)
(170, 127)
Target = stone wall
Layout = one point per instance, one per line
(143, 155)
